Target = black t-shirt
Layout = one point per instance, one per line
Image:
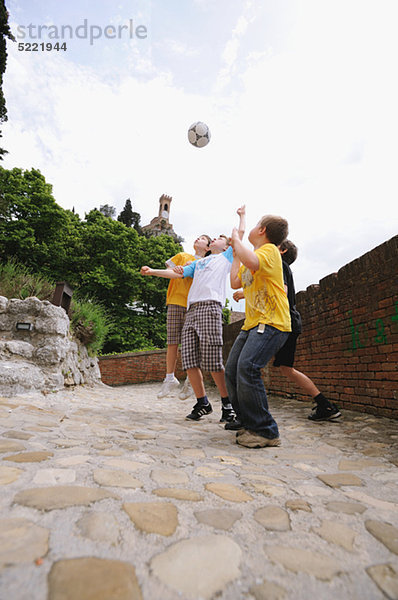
(291, 296)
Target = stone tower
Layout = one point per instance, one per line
(164, 207)
(161, 224)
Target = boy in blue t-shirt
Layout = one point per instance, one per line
(201, 346)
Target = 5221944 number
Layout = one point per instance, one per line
(42, 47)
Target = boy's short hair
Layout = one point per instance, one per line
(208, 238)
(227, 239)
(277, 228)
(291, 251)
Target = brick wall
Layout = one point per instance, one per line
(349, 344)
(138, 367)
(133, 367)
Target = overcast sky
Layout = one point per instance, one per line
(301, 98)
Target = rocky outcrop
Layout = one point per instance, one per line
(44, 357)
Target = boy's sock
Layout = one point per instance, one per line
(226, 403)
(169, 377)
(321, 400)
(227, 412)
(202, 401)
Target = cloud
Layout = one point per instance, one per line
(307, 131)
(179, 48)
(231, 49)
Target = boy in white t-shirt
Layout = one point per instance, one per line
(202, 341)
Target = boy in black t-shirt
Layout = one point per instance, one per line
(323, 410)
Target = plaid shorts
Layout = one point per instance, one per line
(202, 337)
(175, 322)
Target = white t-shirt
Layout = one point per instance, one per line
(209, 277)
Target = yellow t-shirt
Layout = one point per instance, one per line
(178, 289)
(265, 296)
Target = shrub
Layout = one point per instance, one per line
(90, 323)
(226, 313)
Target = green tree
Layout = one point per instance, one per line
(33, 228)
(5, 32)
(110, 273)
(107, 210)
(98, 256)
(130, 218)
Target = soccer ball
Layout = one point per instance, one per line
(199, 134)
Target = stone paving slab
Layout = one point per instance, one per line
(111, 492)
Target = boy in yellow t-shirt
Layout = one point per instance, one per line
(176, 301)
(265, 330)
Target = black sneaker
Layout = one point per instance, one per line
(324, 413)
(199, 410)
(227, 414)
(234, 425)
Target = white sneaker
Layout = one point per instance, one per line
(168, 387)
(186, 390)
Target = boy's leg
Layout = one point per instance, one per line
(231, 369)
(196, 381)
(171, 358)
(202, 406)
(324, 410)
(190, 355)
(219, 380)
(174, 332)
(170, 382)
(228, 414)
(211, 342)
(175, 321)
(256, 353)
(300, 379)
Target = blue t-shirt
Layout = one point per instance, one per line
(209, 277)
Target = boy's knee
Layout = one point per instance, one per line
(245, 364)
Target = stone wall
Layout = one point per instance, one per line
(45, 358)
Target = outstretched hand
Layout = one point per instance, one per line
(145, 270)
(241, 210)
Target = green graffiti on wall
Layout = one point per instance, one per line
(359, 333)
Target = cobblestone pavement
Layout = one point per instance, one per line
(110, 494)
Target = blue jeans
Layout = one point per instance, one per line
(249, 354)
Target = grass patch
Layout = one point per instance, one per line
(146, 349)
(16, 281)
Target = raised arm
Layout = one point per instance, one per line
(235, 280)
(165, 273)
(242, 221)
(246, 256)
